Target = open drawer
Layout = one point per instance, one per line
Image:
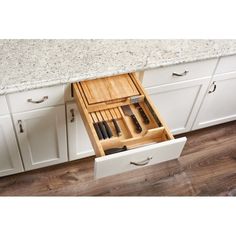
(125, 128)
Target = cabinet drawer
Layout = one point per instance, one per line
(181, 72)
(3, 104)
(138, 158)
(226, 64)
(35, 99)
(104, 99)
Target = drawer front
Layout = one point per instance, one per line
(35, 99)
(4, 107)
(181, 72)
(226, 64)
(138, 158)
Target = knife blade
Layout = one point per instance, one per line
(142, 113)
(128, 112)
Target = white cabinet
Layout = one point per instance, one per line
(79, 144)
(10, 160)
(42, 136)
(3, 106)
(179, 102)
(219, 105)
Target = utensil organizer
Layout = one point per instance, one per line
(102, 99)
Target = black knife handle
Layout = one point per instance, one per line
(118, 131)
(137, 125)
(115, 150)
(144, 116)
(98, 131)
(103, 130)
(109, 133)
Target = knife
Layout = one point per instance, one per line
(125, 148)
(107, 127)
(128, 112)
(96, 126)
(98, 131)
(142, 113)
(117, 128)
(103, 130)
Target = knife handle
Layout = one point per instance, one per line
(137, 125)
(118, 131)
(98, 131)
(109, 133)
(115, 150)
(144, 116)
(103, 130)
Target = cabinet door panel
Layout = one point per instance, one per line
(42, 136)
(78, 140)
(179, 103)
(218, 106)
(10, 160)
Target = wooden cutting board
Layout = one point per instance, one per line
(108, 89)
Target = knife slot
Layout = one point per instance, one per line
(127, 123)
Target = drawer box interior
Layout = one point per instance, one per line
(104, 99)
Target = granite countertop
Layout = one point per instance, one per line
(30, 64)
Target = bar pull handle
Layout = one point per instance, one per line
(72, 115)
(20, 126)
(142, 163)
(180, 74)
(214, 88)
(38, 101)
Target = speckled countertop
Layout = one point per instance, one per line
(30, 64)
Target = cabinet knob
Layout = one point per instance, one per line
(72, 115)
(214, 88)
(180, 74)
(20, 126)
(142, 163)
(38, 101)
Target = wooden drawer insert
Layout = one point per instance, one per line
(101, 99)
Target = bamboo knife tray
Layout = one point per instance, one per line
(101, 99)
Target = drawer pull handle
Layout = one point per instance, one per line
(38, 101)
(20, 126)
(214, 88)
(180, 74)
(72, 115)
(141, 163)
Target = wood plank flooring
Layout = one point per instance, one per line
(207, 167)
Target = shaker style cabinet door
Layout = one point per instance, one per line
(42, 136)
(219, 105)
(78, 141)
(10, 160)
(179, 103)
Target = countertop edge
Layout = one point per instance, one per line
(54, 82)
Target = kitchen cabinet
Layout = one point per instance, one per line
(179, 102)
(42, 136)
(79, 145)
(10, 160)
(3, 106)
(219, 105)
